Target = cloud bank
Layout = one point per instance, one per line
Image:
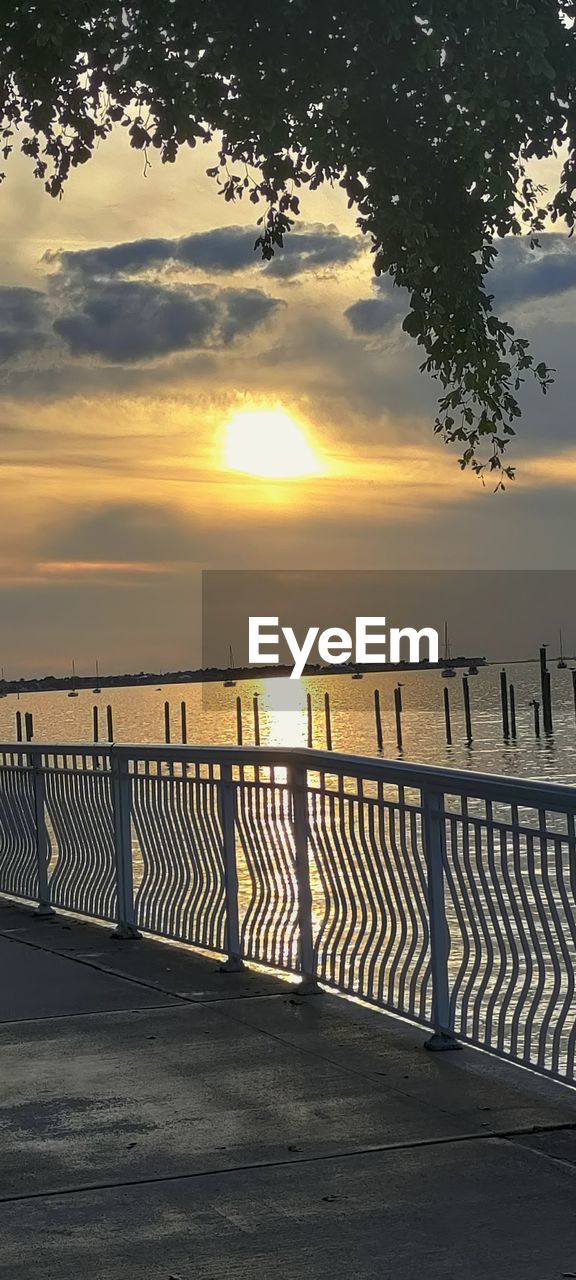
(124, 321)
(222, 250)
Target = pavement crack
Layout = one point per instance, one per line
(414, 1144)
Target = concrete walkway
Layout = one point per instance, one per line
(163, 1120)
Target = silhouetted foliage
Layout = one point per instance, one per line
(427, 114)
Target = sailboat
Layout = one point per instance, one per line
(561, 662)
(97, 688)
(230, 683)
(73, 692)
(448, 671)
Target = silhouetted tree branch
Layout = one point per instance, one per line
(427, 114)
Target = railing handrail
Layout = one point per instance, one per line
(485, 786)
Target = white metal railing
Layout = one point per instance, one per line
(445, 897)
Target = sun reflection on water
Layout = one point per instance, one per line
(283, 715)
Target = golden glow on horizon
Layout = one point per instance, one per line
(269, 443)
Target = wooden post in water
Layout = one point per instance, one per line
(29, 725)
(467, 714)
(328, 721)
(504, 703)
(398, 712)
(19, 726)
(512, 693)
(239, 733)
(95, 734)
(183, 723)
(256, 710)
(447, 719)
(167, 722)
(536, 706)
(548, 703)
(378, 716)
(311, 722)
(574, 687)
(546, 691)
(109, 723)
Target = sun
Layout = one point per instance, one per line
(269, 443)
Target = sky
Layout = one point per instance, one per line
(137, 324)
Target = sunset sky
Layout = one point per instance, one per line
(145, 351)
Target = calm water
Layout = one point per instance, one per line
(139, 717)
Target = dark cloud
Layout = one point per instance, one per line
(21, 307)
(129, 320)
(15, 343)
(522, 274)
(314, 250)
(374, 315)
(131, 533)
(22, 316)
(223, 249)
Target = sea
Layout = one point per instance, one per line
(211, 713)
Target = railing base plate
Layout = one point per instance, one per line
(308, 987)
(232, 965)
(44, 911)
(125, 933)
(440, 1042)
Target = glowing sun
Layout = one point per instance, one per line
(269, 442)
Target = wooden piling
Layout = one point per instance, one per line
(512, 693)
(447, 719)
(256, 712)
(504, 703)
(167, 722)
(378, 717)
(467, 712)
(548, 703)
(29, 725)
(574, 687)
(239, 732)
(310, 738)
(546, 691)
(95, 734)
(183, 723)
(19, 726)
(328, 721)
(536, 707)
(398, 714)
(109, 723)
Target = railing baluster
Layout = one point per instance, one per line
(44, 907)
(297, 781)
(227, 799)
(413, 909)
(434, 850)
(126, 928)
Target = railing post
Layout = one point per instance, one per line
(298, 787)
(227, 796)
(44, 907)
(434, 850)
(121, 806)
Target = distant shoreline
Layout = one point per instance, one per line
(213, 675)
